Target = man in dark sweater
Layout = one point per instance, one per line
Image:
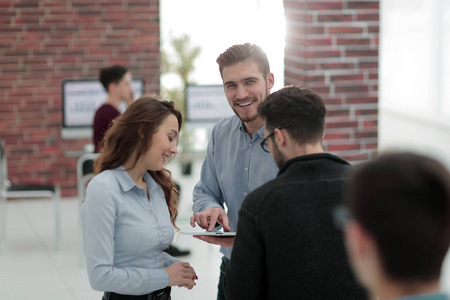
(287, 246)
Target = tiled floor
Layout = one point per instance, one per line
(30, 269)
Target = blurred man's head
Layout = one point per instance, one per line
(117, 82)
(399, 229)
(298, 111)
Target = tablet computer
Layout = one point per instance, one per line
(212, 233)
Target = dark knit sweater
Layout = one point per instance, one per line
(287, 246)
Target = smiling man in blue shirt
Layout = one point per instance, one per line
(235, 164)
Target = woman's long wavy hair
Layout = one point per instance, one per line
(130, 137)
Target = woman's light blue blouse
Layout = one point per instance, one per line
(124, 234)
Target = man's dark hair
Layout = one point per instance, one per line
(300, 108)
(403, 201)
(244, 52)
(111, 74)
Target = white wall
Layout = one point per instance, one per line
(216, 25)
(414, 97)
(414, 89)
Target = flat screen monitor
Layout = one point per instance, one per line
(206, 103)
(80, 100)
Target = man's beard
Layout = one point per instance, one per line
(256, 115)
(247, 119)
(278, 157)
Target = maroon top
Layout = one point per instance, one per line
(102, 121)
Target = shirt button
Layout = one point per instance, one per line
(245, 194)
(246, 169)
(159, 227)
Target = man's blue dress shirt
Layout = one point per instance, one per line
(125, 234)
(235, 165)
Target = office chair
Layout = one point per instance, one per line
(9, 190)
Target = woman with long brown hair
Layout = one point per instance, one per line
(129, 212)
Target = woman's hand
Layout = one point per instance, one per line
(181, 274)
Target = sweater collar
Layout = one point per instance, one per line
(311, 157)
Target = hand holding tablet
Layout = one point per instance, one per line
(211, 233)
(224, 239)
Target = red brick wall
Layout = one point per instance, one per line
(332, 47)
(42, 43)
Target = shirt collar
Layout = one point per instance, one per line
(126, 183)
(151, 183)
(259, 132)
(311, 157)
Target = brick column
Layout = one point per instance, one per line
(44, 42)
(332, 47)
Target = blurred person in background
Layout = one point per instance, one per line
(129, 212)
(235, 164)
(397, 225)
(117, 82)
(286, 245)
